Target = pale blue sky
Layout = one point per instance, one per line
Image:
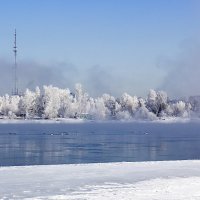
(112, 46)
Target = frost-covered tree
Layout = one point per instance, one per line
(129, 103)
(180, 109)
(157, 102)
(1, 104)
(144, 114)
(29, 103)
(195, 104)
(111, 104)
(101, 111)
(124, 115)
(81, 100)
(9, 105)
(5, 105)
(51, 100)
(67, 108)
(39, 106)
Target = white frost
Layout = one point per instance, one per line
(53, 102)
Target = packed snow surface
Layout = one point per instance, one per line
(177, 180)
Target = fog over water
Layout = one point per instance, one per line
(180, 75)
(182, 70)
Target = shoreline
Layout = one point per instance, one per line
(79, 120)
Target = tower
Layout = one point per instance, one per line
(15, 79)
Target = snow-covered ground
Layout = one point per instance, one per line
(145, 180)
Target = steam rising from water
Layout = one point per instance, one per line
(31, 74)
(182, 75)
(183, 72)
(64, 75)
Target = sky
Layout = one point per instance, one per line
(109, 46)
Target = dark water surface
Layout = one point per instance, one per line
(35, 144)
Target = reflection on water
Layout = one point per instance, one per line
(31, 144)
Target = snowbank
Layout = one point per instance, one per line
(138, 181)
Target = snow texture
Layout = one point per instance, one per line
(166, 180)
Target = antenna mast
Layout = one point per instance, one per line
(15, 89)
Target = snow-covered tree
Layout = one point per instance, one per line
(180, 109)
(129, 103)
(101, 111)
(29, 105)
(67, 108)
(53, 102)
(157, 102)
(124, 115)
(9, 105)
(81, 100)
(111, 104)
(144, 114)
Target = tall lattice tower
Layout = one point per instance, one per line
(15, 79)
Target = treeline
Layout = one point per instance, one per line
(52, 102)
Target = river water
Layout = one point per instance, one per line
(65, 143)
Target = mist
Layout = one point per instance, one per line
(32, 74)
(181, 79)
(96, 79)
(182, 71)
